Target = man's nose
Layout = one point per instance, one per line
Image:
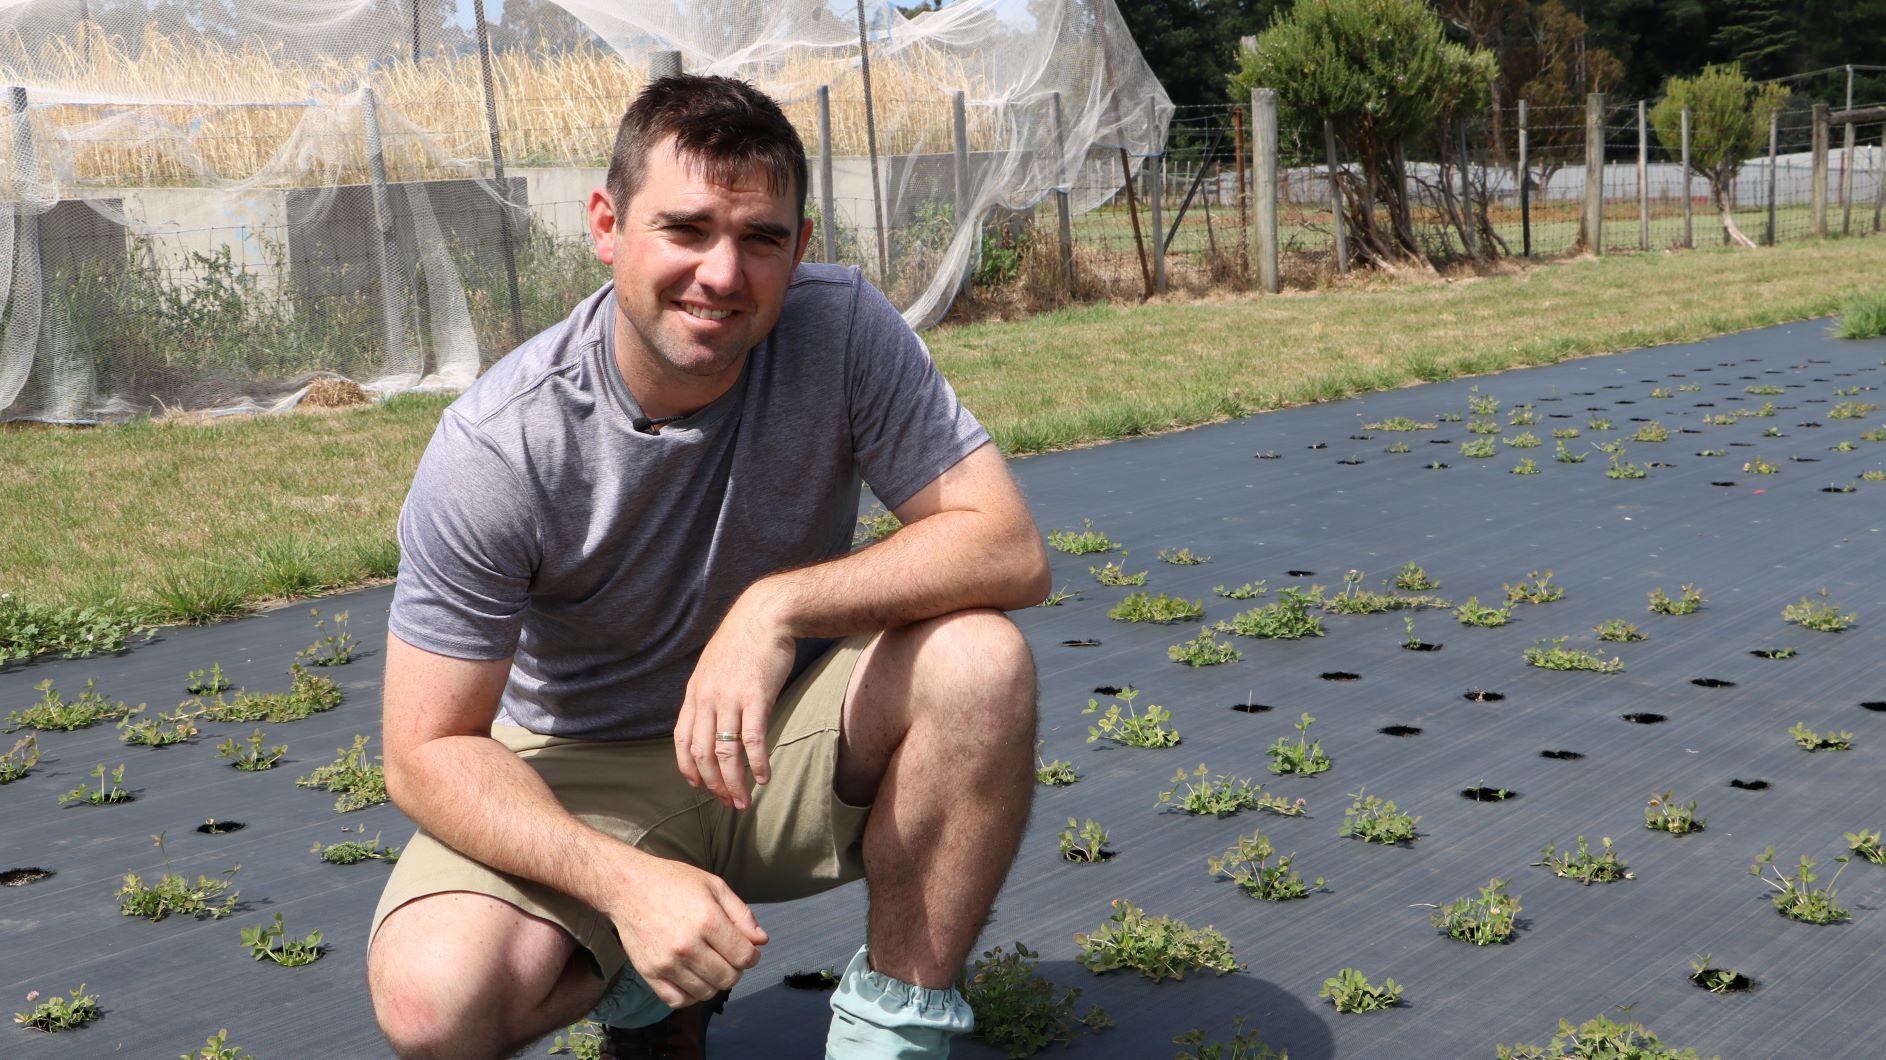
(719, 268)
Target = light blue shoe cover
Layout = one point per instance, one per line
(630, 1002)
(876, 1017)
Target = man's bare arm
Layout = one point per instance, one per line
(968, 541)
(684, 929)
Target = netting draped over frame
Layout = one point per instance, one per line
(206, 205)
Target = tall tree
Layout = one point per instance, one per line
(1728, 123)
(1757, 35)
(1192, 45)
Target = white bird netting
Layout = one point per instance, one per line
(209, 202)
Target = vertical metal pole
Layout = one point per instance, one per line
(1111, 87)
(1525, 185)
(1335, 198)
(1467, 232)
(383, 247)
(1689, 241)
(959, 128)
(1155, 169)
(506, 248)
(871, 146)
(1774, 148)
(1879, 178)
(29, 274)
(1264, 186)
(1065, 222)
(1818, 194)
(414, 4)
(1592, 235)
(1846, 188)
(663, 64)
(1643, 179)
(828, 205)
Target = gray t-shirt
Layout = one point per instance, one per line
(542, 527)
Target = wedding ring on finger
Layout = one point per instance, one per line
(726, 737)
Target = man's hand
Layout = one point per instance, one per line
(686, 931)
(735, 684)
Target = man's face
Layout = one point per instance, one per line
(701, 270)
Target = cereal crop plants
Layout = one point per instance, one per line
(1585, 866)
(1795, 895)
(1303, 757)
(1350, 991)
(1490, 918)
(1017, 1009)
(1129, 727)
(1158, 948)
(1248, 863)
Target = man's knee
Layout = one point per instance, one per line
(978, 661)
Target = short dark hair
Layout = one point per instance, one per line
(725, 125)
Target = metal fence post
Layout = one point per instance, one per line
(1688, 233)
(828, 203)
(959, 131)
(1774, 155)
(1155, 170)
(508, 251)
(1879, 178)
(1819, 193)
(1643, 179)
(383, 247)
(1525, 186)
(1335, 198)
(1264, 186)
(871, 148)
(1064, 222)
(1592, 232)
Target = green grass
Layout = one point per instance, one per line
(167, 522)
(1863, 316)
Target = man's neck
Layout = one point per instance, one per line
(659, 390)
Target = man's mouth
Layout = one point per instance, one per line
(704, 313)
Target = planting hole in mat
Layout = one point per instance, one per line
(1875, 704)
(1399, 730)
(1111, 690)
(1749, 785)
(1722, 483)
(1267, 455)
(22, 877)
(1318, 445)
(1773, 653)
(1722, 981)
(821, 979)
(1484, 793)
(1351, 462)
(1422, 645)
(1643, 718)
(1340, 675)
(1711, 682)
(1248, 707)
(1561, 756)
(1477, 696)
(1105, 855)
(216, 827)
(1301, 573)
(1360, 437)
(1080, 644)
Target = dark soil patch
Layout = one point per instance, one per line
(1340, 675)
(821, 979)
(1301, 573)
(1080, 644)
(215, 827)
(1644, 718)
(1486, 794)
(1711, 682)
(1749, 785)
(1875, 705)
(1399, 730)
(1317, 445)
(1422, 645)
(1561, 756)
(1722, 483)
(1248, 707)
(1110, 690)
(22, 877)
(1478, 696)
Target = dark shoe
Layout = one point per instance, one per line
(682, 1035)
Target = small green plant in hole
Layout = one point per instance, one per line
(335, 649)
(352, 851)
(174, 893)
(1411, 641)
(1488, 428)
(161, 731)
(1472, 614)
(1664, 814)
(1156, 947)
(1809, 740)
(1056, 774)
(1240, 1046)
(1652, 432)
(1526, 466)
(1376, 820)
(1129, 727)
(1822, 616)
(270, 942)
(1536, 588)
(1662, 392)
(104, 796)
(1557, 656)
(1852, 410)
(1598, 423)
(1772, 432)
(1866, 846)
(1715, 980)
(1481, 448)
(1447, 417)
(1622, 468)
(1873, 476)
(1486, 920)
(1877, 434)
(1599, 1037)
(1398, 424)
(1084, 843)
(1396, 447)
(1080, 543)
(207, 682)
(1355, 600)
(1566, 456)
(360, 782)
(1157, 608)
(1482, 404)
(308, 694)
(1763, 391)
(1060, 596)
(54, 712)
(1302, 757)
(1690, 388)
(1017, 1009)
(1565, 432)
(1524, 440)
(1522, 416)
(1662, 604)
(20, 759)
(1723, 420)
(1182, 557)
(250, 756)
(1247, 591)
(1795, 895)
(1115, 573)
(217, 1047)
(1758, 466)
(1287, 619)
(1619, 631)
(1411, 578)
(1845, 445)
(1583, 865)
(1775, 653)
(1202, 650)
(1712, 452)
(1223, 795)
(60, 1013)
(582, 1040)
(1248, 863)
(1351, 991)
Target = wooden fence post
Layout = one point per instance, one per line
(1774, 157)
(1335, 198)
(1689, 240)
(1525, 191)
(1063, 219)
(1264, 189)
(1592, 232)
(1643, 179)
(1846, 177)
(1819, 193)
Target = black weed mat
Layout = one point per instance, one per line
(1293, 499)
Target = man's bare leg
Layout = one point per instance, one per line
(939, 736)
(467, 976)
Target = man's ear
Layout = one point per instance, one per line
(805, 240)
(602, 225)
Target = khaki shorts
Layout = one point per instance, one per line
(797, 838)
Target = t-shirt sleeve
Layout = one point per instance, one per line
(906, 425)
(469, 545)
